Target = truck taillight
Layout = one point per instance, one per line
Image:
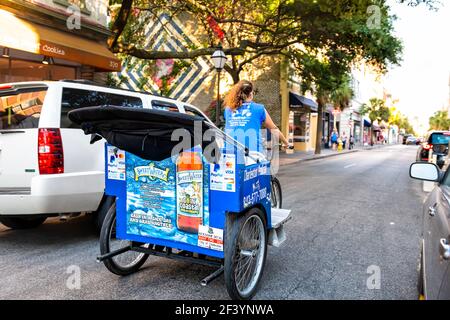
(50, 151)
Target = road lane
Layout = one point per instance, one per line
(341, 226)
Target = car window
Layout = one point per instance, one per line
(164, 105)
(78, 98)
(21, 109)
(440, 138)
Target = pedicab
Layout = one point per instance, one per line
(210, 208)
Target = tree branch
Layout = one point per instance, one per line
(153, 55)
(120, 22)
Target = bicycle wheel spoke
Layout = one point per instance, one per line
(126, 259)
(248, 265)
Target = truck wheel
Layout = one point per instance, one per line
(99, 216)
(27, 222)
(122, 264)
(245, 254)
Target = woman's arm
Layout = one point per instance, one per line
(274, 129)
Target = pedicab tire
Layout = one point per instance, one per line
(110, 264)
(26, 222)
(275, 183)
(100, 215)
(234, 225)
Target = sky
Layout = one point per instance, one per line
(421, 83)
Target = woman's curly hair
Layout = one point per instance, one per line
(238, 94)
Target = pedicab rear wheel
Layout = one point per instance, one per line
(125, 263)
(245, 254)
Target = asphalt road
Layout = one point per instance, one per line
(352, 214)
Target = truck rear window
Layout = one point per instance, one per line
(21, 108)
(78, 98)
(440, 138)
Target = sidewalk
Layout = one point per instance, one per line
(299, 156)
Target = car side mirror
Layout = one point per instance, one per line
(425, 171)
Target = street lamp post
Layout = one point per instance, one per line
(219, 59)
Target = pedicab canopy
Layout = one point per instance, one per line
(146, 133)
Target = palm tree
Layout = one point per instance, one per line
(340, 96)
(439, 121)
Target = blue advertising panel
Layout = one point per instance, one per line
(183, 204)
(162, 201)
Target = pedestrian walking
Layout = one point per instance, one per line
(334, 139)
(351, 142)
(344, 140)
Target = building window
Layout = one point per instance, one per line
(14, 70)
(301, 126)
(357, 133)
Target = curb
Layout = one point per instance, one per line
(330, 155)
(334, 154)
(321, 157)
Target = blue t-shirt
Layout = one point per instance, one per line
(334, 137)
(244, 124)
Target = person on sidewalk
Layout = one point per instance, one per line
(243, 118)
(344, 140)
(351, 142)
(334, 140)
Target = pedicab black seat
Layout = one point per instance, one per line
(143, 132)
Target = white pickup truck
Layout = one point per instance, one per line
(47, 165)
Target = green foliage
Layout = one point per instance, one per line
(376, 110)
(401, 121)
(341, 95)
(335, 32)
(114, 81)
(439, 121)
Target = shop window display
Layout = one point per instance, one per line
(14, 70)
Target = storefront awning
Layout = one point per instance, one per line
(298, 101)
(22, 35)
(366, 123)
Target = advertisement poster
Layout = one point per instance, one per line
(168, 201)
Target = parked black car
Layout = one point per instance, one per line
(438, 142)
(434, 275)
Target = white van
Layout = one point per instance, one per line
(47, 165)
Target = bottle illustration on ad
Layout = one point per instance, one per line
(189, 191)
